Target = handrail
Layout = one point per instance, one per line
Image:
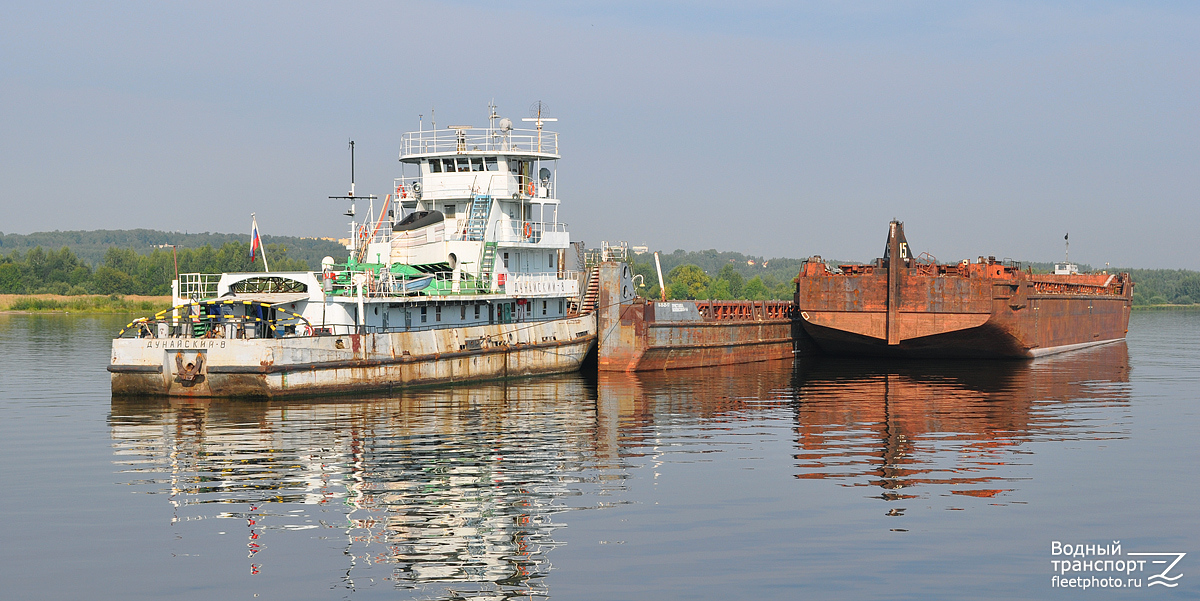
(197, 286)
(178, 323)
(479, 139)
(744, 310)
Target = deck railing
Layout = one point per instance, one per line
(744, 310)
(198, 286)
(483, 139)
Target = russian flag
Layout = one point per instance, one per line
(255, 241)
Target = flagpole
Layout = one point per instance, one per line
(262, 245)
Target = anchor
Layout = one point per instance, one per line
(188, 372)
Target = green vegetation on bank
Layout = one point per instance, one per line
(1164, 286)
(92, 246)
(124, 271)
(710, 274)
(113, 303)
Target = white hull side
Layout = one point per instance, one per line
(316, 365)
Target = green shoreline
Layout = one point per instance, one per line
(84, 304)
(1166, 307)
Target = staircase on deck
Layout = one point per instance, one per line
(477, 217)
(593, 291)
(487, 263)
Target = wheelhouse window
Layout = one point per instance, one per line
(435, 166)
(490, 163)
(477, 164)
(464, 165)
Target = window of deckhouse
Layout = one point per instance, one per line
(490, 162)
(435, 166)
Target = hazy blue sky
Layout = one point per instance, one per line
(774, 128)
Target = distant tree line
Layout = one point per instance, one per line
(717, 275)
(91, 247)
(1164, 286)
(125, 271)
(737, 276)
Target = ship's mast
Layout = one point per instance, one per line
(352, 198)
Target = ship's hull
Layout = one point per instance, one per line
(317, 365)
(635, 343)
(1053, 325)
(902, 307)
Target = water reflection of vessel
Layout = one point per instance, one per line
(453, 487)
(908, 425)
(903, 305)
(463, 489)
(899, 425)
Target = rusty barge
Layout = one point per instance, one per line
(460, 276)
(907, 306)
(636, 334)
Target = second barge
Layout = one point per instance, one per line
(907, 306)
(636, 334)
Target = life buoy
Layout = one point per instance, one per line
(528, 230)
(529, 188)
(308, 331)
(400, 192)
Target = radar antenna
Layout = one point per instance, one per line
(535, 111)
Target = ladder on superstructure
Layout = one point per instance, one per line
(477, 217)
(486, 264)
(592, 293)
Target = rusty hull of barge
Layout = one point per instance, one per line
(920, 309)
(338, 364)
(640, 335)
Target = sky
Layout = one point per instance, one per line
(782, 129)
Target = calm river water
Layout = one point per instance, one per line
(830, 479)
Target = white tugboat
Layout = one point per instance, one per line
(461, 275)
